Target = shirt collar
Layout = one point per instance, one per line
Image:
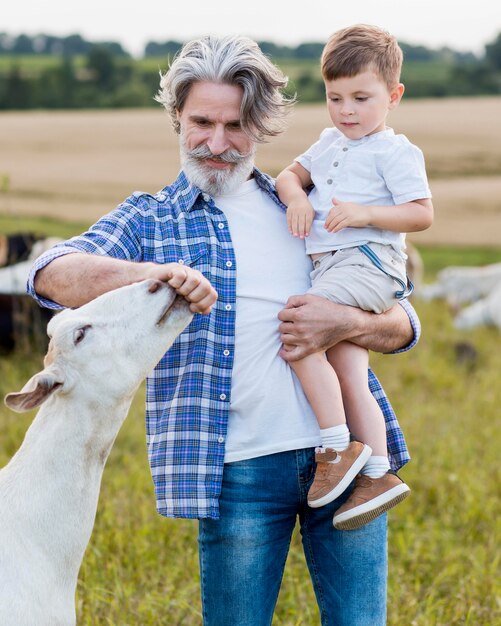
(387, 132)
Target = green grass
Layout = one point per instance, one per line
(444, 540)
(43, 226)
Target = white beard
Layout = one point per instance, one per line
(213, 181)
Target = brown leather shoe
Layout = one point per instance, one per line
(370, 498)
(335, 471)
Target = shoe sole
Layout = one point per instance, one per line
(345, 482)
(365, 513)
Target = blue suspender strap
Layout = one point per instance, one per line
(405, 289)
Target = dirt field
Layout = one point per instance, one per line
(79, 165)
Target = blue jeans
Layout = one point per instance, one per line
(243, 554)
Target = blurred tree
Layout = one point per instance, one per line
(102, 66)
(493, 52)
(23, 45)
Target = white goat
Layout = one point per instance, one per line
(484, 312)
(98, 355)
(13, 277)
(459, 285)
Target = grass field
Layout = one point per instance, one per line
(80, 164)
(444, 540)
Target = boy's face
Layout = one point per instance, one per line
(358, 105)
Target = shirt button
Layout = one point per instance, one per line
(226, 352)
(229, 263)
(181, 261)
(161, 197)
(345, 149)
(222, 396)
(335, 164)
(220, 225)
(206, 197)
(227, 307)
(329, 181)
(220, 439)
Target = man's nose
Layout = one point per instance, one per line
(218, 141)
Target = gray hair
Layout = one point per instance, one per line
(233, 61)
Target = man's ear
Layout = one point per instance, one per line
(396, 94)
(34, 393)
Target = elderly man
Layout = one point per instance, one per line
(231, 438)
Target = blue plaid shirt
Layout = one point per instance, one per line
(188, 394)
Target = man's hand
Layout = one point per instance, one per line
(345, 214)
(189, 283)
(312, 324)
(300, 216)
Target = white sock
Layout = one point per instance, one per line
(337, 437)
(376, 466)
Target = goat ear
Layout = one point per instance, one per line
(40, 387)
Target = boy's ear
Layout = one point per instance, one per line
(396, 94)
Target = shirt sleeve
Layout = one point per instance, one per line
(405, 174)
(117, 234)
(415, 323)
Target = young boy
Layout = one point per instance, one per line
(370, 186)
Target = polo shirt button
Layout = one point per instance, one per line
(329, 181)
(222, 396)
(229, 263)
(226, 352)
(220, 439)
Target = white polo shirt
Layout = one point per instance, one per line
(381, 169)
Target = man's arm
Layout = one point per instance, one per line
(74, 279)
(313, 324)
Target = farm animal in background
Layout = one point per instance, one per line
(22, 321)
(461, 285)
(16, 247)
(98, 355)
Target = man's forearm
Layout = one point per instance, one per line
(75, 279)
(313, 324)
(384, 332)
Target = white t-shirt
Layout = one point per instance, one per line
(268, 412)
(381, 169)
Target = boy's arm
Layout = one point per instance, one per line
(408, 217)
(290, 185)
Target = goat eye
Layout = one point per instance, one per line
(79, 334)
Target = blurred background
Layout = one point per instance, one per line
(79, 131)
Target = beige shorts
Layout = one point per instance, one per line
(348, 276)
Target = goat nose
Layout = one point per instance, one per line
(155, 285)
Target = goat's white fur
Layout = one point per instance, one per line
(98, 355)
(13, 277)
(478, 285)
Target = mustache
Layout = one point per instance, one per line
(229, 156)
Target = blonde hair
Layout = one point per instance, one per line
(358, 48)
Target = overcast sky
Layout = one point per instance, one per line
(459, 24)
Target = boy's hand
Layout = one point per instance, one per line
(189, 283)
(300, 216)
(345, 214)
